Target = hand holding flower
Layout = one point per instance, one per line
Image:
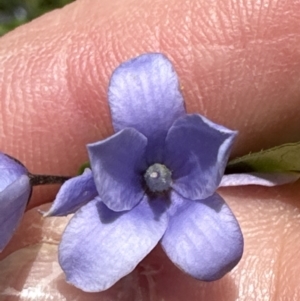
(57, 72)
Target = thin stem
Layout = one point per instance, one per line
(46, 179)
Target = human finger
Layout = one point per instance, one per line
(237, 64)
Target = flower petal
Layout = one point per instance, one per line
(100, 246)
(203, 238)
(117, 163)
(73, 194)
(144, 94)
(13, 201)
(197, 151)
(10, 170)
(259, 178)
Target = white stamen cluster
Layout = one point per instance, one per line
(158, 178)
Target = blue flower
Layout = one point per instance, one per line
(153, 181)
(15, 191)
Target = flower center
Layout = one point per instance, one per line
(158, 177)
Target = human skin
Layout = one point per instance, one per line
(239, 65)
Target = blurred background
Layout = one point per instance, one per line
(17, 12)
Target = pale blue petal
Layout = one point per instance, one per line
(144, 94)
(73, 194)
(10, 170)
(259, 178)
(100, 246)
(117, 164)
(203, 238)
(197, 152)
(13, 201)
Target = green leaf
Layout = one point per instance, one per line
(283, 158)
(83, 167)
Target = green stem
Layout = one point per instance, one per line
(36, 180)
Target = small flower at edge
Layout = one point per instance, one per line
(153, 181)
(16, 184)
(15, 190)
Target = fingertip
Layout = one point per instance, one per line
(56, 71)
